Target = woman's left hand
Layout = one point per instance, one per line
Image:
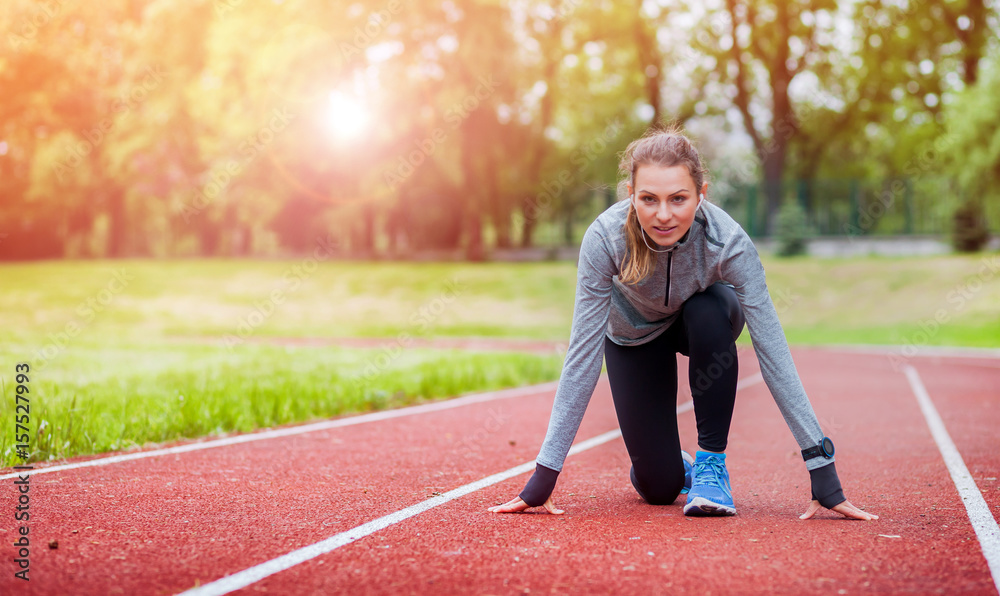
(845, 509)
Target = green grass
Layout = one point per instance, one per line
(213, 298)
(140, 361)
(889, 300)
(101, 399)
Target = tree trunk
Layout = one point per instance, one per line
(529, 207)
(650, 61)
(975, 43)
(472, 223)
(116, 223)
(209, 235)
(500, 214)
(366, 231)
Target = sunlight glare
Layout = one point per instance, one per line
(346, 116)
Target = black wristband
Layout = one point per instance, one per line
(826, 486)
(540, 486)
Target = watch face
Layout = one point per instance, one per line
(827, 445)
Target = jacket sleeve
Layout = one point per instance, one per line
(741, 267)
(584, 358)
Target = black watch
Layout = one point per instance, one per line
(825, 448)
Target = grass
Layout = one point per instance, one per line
(128, 353)
(100, 398)
(889, 300)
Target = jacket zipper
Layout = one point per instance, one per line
(670, 260)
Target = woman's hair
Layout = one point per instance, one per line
(665, 148)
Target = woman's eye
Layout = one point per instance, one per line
(649, 199)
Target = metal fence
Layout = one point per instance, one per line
(834, 207)
(857, 207)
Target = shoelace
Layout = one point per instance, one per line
(710, 471)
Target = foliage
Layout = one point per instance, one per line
(971, 145)
(209, 127)
(792, 231)
(970, 233)
(149, 365)
(173, 392)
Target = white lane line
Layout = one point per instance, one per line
(254, 574)
(242, 579)
(741, 384)
(297, 430)
(979, 512)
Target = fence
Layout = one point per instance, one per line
(834, 207)
(853, 207)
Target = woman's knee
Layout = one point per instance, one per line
(656, 493)
(706, 320)
(715, 308)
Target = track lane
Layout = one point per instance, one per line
(161, 526)
(922, 544)
(967, 395)
(167, 523)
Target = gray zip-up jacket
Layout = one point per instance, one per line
(715, 249)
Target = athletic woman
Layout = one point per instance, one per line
(660, 273)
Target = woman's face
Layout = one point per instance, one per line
(665, 199)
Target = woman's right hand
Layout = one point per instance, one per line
(516, 505)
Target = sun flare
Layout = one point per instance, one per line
(346, 116)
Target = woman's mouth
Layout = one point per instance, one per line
(664, 231)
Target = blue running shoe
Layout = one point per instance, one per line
(688, 464)
(710, 493)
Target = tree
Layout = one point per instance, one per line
(767, 44)
(973, 125)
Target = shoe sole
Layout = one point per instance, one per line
(702, 507)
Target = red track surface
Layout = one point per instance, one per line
(162, 525)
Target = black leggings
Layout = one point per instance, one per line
(644, 387)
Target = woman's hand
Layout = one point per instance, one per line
(845, 509)
(516, 505)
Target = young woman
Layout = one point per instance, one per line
(661, 273)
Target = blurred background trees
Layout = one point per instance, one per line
(226, 127)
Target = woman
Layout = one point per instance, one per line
(661, 273)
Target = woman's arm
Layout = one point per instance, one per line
(580, 371)
(741, 267)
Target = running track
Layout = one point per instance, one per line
(395, 503)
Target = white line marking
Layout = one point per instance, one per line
(979, 512)
(242, 579)
(741, 384)
(256, 573)
(308, 428)
(298, 430)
